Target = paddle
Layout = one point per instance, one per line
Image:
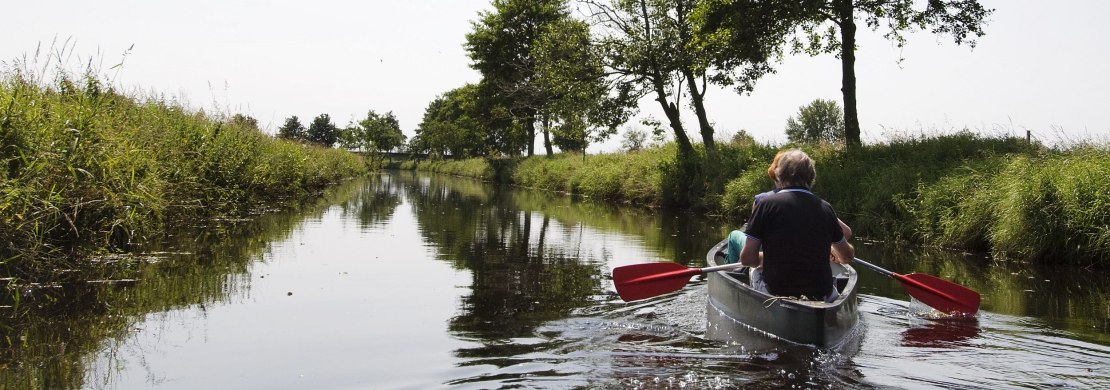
(639, 281)
(938, 293)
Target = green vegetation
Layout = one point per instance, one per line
(501, 48)
(377, 133)
(84, 167)
(577, 76)
(322, 131)
(818, 121)
(1045, 205)
(1005, 195)
(462, 123)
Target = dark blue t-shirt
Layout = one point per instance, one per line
(761, 195)
(795, 229)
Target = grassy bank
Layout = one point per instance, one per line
(83, 167)
(964, 191)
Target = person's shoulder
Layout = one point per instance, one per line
(763, 195)
(826, 205)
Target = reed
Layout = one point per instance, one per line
(1053, 207)
(85, 168)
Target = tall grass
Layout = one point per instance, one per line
(1053, 206)
(959, 190)
(83, 166)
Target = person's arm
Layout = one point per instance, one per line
(842, 252)
(845, 229)
(750, 255)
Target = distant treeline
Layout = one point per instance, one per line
(375, 135)
(83, 167)
(1004, 195)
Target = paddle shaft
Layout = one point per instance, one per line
(688, 272)
(904, 279)
(874, 268)
(639, 281)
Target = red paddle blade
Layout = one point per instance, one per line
(639, 281)
(940, 294)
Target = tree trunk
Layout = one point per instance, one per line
(673, 116)
(698, 98)
(547, 135)
(675, 121)
(657, 82)
(848, 67)
(530, 126)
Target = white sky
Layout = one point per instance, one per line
(1041, 66)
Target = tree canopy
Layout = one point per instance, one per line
(583, 105)
(322, 131)
(818, 121)
(375, 133)
(458, 123)
(382, 132)
(500, 46)
(292, 129)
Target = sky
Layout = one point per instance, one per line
(1039, 68)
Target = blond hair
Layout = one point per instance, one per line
(774, 164)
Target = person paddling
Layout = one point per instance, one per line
(798, 233)
(736, 237)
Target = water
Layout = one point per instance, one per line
(413, 282)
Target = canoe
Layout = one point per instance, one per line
(815, 323)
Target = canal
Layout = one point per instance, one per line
(410, 281)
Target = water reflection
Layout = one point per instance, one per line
(1073, 299)
(930, 333)
(49, 332)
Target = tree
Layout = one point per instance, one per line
(457, 124)
(323, 131)
(960, 18)
(829, 26)
(583, 106)
(654, 44)
(740, 38)
(381, 132)
(819, 121)
(351, 137)
(292, 129)
(634, 139)
(500, 47)
(742, 137)
(642, 56)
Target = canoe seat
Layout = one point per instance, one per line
(841, 281)
(740, 274)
